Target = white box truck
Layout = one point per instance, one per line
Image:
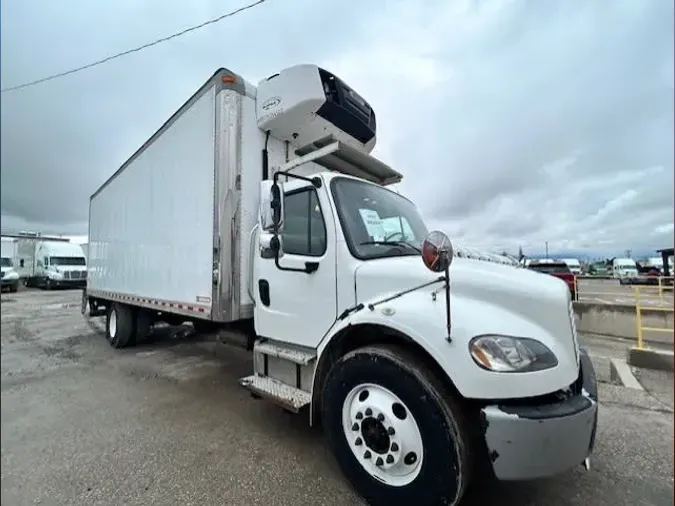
(260, 213)
(10, 278)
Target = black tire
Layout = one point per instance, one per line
(48, 284)
(14, 287)
(446, 467)
(124, 325)
(144, 322)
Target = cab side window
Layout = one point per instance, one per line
(304, 230)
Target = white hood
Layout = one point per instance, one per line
(485, 298)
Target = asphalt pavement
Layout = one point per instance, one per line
(167, 424)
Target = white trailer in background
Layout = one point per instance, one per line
(85, 249)
(259, 213)
(9, 277)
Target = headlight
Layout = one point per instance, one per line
(511, 354)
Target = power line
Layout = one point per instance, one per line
(134, 50)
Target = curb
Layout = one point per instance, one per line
(619, 372)
(651, 359)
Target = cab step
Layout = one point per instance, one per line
(294, 355)
(286, 396)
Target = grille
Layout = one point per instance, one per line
(74, 274)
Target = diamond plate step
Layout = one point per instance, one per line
(299, 357)
(286, 396)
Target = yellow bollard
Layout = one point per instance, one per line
(638, 316)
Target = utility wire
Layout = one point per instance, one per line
(134, 50)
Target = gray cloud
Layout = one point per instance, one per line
(514, 122)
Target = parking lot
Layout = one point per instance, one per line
(609, 291)
(166, 423)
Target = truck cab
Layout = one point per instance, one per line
(426, 368)
(59, 264)
(624, 269)
(10, 278)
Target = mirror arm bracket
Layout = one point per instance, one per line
(316, 181)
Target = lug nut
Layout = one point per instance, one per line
(391, 431)
(390, 459)
(369, 412)
(358, 441)
(366, 455)
(359, 415)
(355, 426)
(379, 461)
(380, 417)
(394, 447)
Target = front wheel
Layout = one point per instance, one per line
(395, 431)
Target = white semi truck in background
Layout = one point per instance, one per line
(9, 277)
(54, 264)
(259, 213)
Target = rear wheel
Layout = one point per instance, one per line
(14, 287)
(120, 323)
(395, 431)
(144, 321)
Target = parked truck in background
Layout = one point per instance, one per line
(57, 264)
(558, 269)
(259, 213)
(574, 265)
(10, 278)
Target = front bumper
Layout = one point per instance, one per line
(68, 282)
(547, 435)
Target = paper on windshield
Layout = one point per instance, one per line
(373, 224)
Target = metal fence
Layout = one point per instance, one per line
(648, 293)
(639, 327)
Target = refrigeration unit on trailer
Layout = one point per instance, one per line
(59, 264)
(10, 278)
(259, 213)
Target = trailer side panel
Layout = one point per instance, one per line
(151, 226)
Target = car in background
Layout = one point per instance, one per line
(558, 269)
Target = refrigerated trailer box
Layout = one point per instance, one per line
(258, 212)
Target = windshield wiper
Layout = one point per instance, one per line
(392, 243)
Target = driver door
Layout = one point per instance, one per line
(293, 306)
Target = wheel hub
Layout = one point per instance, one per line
(113, 323)
(375, 435)
(382, 434)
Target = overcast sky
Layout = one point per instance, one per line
(513, 122)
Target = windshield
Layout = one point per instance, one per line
(67, 261)
(377, 222)
(6, 262)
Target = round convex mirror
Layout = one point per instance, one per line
(437, 251)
